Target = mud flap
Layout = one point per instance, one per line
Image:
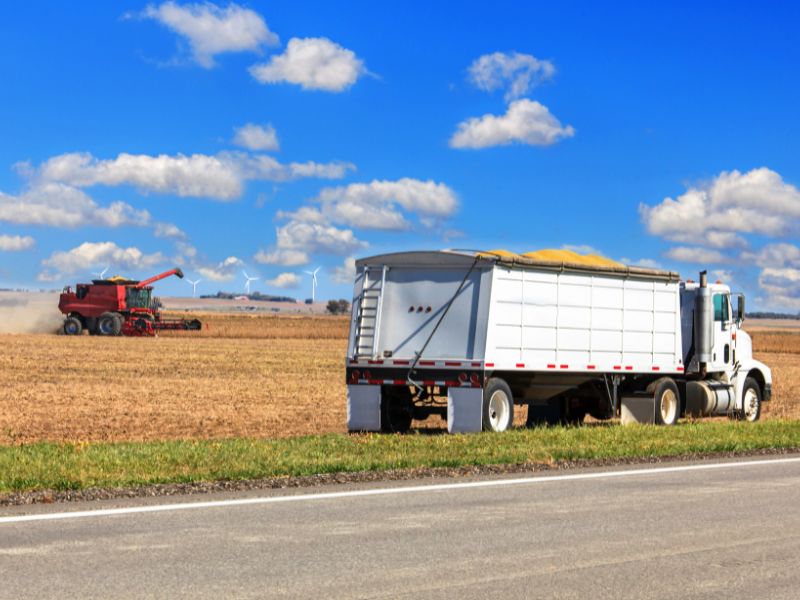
(637, 409)
(464, 410)
(363, 408)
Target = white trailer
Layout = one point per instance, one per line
(468, 335)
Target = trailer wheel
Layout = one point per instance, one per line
(751, 401)
(396, 409)
(109, 324)
(72, 326)
(667, 400)
(498, 406)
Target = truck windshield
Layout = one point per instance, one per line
(137, 298)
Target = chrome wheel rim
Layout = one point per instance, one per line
(750, 404)
(669, 406)
(498, 411)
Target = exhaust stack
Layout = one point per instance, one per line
(703, 324)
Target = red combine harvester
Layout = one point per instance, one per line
(118, 306)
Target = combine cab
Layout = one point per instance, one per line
(118, 306)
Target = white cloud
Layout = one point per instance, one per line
(211, 30)
(16, 243)
(284, 281)
(782, 287)
(525, 122)
(224, 271)
(647, 263)
(774, 255)
(313, 238)
(375, 205)
(220, 177)
(168, 231)
(346, 274)
(283, 257)
(257, 137)
(59, 205)
(93, 254)
(516, 72)
(713, 213)
(313, 64)
(698, 255)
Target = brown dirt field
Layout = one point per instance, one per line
(244, 375)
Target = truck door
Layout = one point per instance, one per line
(722, 354)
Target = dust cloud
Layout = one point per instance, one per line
(29, 312)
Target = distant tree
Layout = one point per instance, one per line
(309, 301)
(338, 307)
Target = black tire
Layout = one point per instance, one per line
(751, 401)
(396, 410)
(498, 406)
(109, 324)
(73, 326)
(539, 415)
(667, 401)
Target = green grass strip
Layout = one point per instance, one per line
(78, 466)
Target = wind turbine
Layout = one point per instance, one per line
(247, 282)
(194, 286)
(102, 273)
(313, 282)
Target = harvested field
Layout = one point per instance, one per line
(250, 376)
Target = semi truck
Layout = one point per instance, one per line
(469, 335)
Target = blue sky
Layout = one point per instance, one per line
(661, 135)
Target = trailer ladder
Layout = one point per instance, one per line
(368, 318)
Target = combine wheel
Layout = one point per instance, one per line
(668, 401)
(109, 324)
(498, 406)
(72, 326)
(751, 401)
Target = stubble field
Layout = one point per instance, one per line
(242, 376)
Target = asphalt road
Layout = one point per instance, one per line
(731, 532)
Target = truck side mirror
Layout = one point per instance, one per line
(740, 308)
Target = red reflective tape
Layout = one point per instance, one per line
(375, 381)
(452, 364)
(656, 368)
(551, 366)
(428, 382)
(591, 367)
(679, 368)
(353, 361)
(629, 368)
(520, 365)
(375, 362)
(565, 366)
(617, 367)
(401, 362)
(452, 383)
(489, 364)
(427, 363)
(476, 364)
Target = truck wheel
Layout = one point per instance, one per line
(751, 401)
(72, 326)
(109, 324)
(396, 408)
(667, 399)
(498, 406)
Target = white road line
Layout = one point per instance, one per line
(443, 487)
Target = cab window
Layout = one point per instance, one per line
(721, 308)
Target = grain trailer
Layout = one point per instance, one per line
(468, 335)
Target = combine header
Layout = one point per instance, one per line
(118, 306)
